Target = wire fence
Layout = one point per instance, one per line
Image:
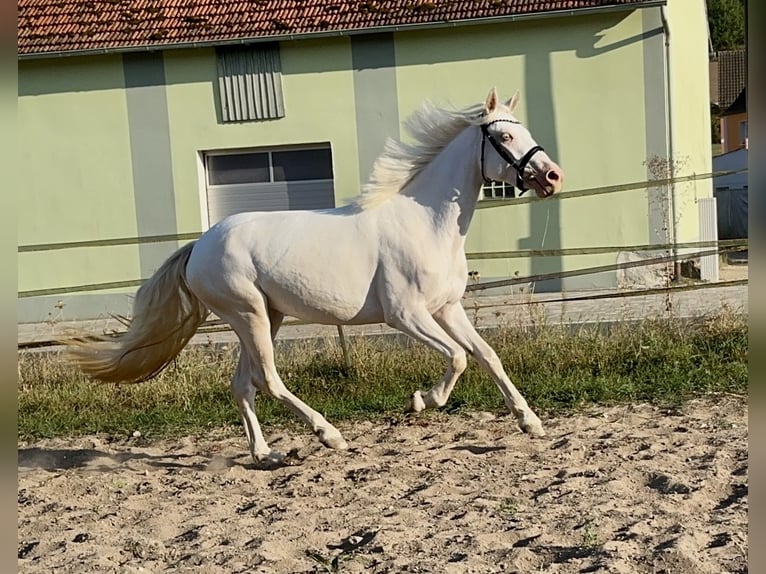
(734, 246)
(216, 326)
(711, 248)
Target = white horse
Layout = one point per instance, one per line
(395, 254)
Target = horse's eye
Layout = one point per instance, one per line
(507, 137)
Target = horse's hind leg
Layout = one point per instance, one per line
(255, 333)
(244, 394)
(275, 322)
(243, 390)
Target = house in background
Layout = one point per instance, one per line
(731, 193)
(143, 122)
(728, 75)
(734, 124)
(729, 96)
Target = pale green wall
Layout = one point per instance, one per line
(81, 187)
(74, 157)
(577, 78)
(690, 109)
(317, 84)
(585, 82)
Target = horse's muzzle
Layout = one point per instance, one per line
(548, 182)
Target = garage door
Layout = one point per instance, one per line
(269, 180)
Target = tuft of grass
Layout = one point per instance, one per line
(558, 369)
(509, 506)
(590, 537)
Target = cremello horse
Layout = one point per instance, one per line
(395, 254)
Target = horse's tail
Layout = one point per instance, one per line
(166, 314)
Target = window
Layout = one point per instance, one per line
(276, 179)
(269, 166)
(250, 83)
(239, 168)
(742, 132)
(498, 190)
(300, 165)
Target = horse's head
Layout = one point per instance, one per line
(513, 156)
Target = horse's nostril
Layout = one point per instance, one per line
(552, 176)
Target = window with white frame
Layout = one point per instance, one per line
(285, 178)
(498, 190)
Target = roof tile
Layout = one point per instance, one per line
(731, 76)
(46, 26)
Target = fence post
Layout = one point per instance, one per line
(344, 348)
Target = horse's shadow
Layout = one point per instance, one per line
(58, 459)
(478, 449)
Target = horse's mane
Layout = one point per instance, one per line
(432, 129)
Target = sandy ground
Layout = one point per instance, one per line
(622, 490)
(736, 272)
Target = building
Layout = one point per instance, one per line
(728, 73)
(731, 193)
(147, 118)
(734, 124)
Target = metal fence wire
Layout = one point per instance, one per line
(705, 248)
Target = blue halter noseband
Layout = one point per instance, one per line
(518, 165)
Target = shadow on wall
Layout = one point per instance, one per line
(544, 216)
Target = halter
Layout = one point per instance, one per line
(518, 165)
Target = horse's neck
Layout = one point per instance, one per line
(449, 186)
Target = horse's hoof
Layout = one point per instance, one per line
(333, 440)
(268, 459)
(415, 403)
(533, 428)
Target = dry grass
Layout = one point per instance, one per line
(557, 368)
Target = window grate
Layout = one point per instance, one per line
(250, 83)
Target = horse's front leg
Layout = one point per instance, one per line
(420, 325)
(455, 322)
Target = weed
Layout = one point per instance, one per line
(590, 535)
(508, 506)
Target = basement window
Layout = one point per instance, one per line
(498, 190)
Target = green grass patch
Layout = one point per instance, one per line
(557, 368)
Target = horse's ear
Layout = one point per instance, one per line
(491, 103)
(514, 101)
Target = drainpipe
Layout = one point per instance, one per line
(671, 142)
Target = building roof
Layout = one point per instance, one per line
(78, 26)
(731, 76)
(738, 106)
